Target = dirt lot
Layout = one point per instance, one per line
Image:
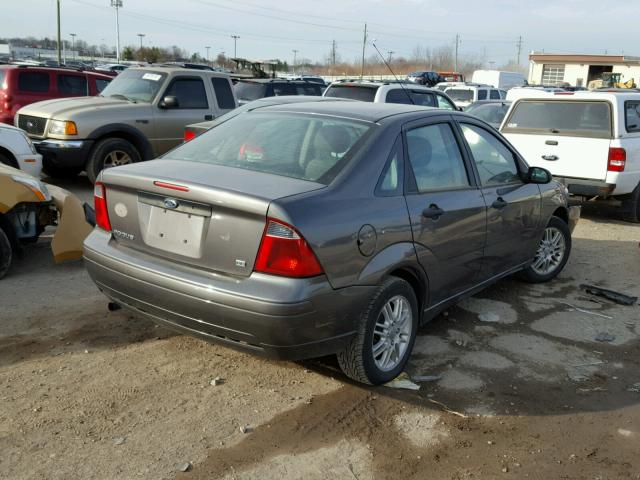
(525, 389)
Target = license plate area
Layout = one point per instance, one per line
(178, 231)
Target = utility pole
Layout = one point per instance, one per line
(73, 45)
(235, 44)
(364, 44)
(390, 52)
(333, 54)
(117, 4)
(207, 49)
(519, 50)
(455, 67)
(295, 53)
(59, 40)
(141, 35)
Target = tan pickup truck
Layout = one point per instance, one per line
(140, 115)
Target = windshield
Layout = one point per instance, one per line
(250, 90)
(362, 93)
(491, 113)
(580, 119)
(415, 74)
(460, 95)
(135, 85)
(306, 147)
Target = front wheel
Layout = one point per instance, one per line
(108, 153)
(386, 333)
(552, 254)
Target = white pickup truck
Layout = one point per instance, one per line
(590, 141)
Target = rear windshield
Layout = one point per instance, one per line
(362, 93)
(249, 90)
(306, 147)
(571, 118)
(460, 95)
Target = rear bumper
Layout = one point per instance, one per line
(272, 316)
(616, 183)
(64, 153)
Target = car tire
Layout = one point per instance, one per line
(110, 152)
(6, 253)
(630, 208)
(8, 160)
(54, 171)
(553, 252)
(358, 360)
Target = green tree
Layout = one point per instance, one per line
(127, 53)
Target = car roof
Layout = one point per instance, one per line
(609, 95)
(54, 69)
(366, 111)
(176, 69)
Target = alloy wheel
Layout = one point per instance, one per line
(115, 158)
(392, 333)
(551, 251)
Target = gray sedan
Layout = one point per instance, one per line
(309, 229)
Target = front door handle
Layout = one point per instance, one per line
(499, 204)
(434, 212)
(208, 117)
(551, 158)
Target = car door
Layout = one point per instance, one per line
(194, 105)
(513, 206)
(223, 93)
(447, 210)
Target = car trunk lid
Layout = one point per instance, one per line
(210, 217)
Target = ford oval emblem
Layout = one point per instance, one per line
(30, 125)
(170, 203)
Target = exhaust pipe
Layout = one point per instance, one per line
(113, 307)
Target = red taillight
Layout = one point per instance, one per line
(617, 159)
(284, 252)
(189, 135)
(100, 205)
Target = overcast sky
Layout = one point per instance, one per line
(272, 29)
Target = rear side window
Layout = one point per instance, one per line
(482, 94)
(101, 84)
(280, 89)
(435, 158)
(632, 115)
(390, 183)
(569, 118)
(72, 85)
(224, 95)
(494, 95)
(33, 82)
(364, 94)
(444, 103)
(190, 93)
(313, 90)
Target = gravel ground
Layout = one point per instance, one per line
(523, 389)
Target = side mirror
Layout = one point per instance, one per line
(538, 175)
(169, 102)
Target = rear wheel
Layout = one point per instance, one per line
(386, 333)
(6, 253)
(552, 254)
(631, 206)
(108, 153)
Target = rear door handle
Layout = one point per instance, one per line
(499, 204)
(551, 158)
(208, 117)
(434, 212)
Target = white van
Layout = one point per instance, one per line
(499, 79)
(468, 93)
(590, 141)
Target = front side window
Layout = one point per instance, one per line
(632, 115)
(33, 82)
(444, 103)
(72, 85)
(306, 147)
(435, 158)
(101, 84)
(495, 163)
(190, 93)
(482, 94)
(494, 95)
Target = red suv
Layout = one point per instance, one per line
(21, 85)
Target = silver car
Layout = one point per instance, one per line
(309, 229)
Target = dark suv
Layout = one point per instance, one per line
(22, 85)
(255, 88)
(429, 79)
